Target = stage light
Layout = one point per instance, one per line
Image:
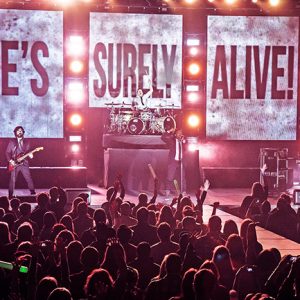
(191, 123)
(75, 92)
(192, 88)
(193, 42)
(190, 1)
(274, 2)
(76, 66)
(75, 45)
(211, 1)
(254, 1)
(193, 120)
(76, 119)
(75, 138)
(193, 51)
(230, 2)
(75, 148)
(194, 68)
(65, 2)
(193, 97)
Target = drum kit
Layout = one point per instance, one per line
(133, 121)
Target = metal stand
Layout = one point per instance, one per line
(181, 165)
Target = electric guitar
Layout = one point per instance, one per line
(13, 163)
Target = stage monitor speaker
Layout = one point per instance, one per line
(29, 198)
(72, 193)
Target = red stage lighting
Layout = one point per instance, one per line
(76, 66)
(191, 123)
(194, 51)
(192, 97)
(193, 68)
(75, 148)
(230, 2)
(193, 120)
(75, 45)
(274, 2)
(75, 92)
(76, 120)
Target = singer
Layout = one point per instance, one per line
(174, 140)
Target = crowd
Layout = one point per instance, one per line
(145, 250)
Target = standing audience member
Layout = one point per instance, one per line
(143, 231)
(165, 245)
(144, 264)
(83, 221)
(169, 285)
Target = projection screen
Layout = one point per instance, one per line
(129, 50)
(31, 72)
(252, 75)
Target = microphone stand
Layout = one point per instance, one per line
(181, 163)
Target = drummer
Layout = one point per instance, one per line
(140, 103)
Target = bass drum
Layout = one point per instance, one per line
(165, 123)
(136, 126)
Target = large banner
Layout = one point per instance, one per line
(31, 72)
(252, 75)
(129, 50)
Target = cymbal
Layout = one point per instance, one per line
(112, 104)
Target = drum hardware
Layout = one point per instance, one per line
(124, 120)
(112, 104)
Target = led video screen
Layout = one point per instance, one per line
(31, 72)
(252, 75)
(129, 50)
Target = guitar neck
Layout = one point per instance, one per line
(26, 155)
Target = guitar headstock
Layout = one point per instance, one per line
(39, 149)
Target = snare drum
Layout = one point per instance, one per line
(136, 126)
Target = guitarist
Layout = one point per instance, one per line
(16, 148)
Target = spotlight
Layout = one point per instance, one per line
(193, 97)
(190, 1)
(274, 2)
(76, 119)
(191, 123)
(76, 66)
(75, 45)
(194, 68)
(193, 120)
(230, 2)
(65, 2)
(75, 138)
(75, 92)
(75, 148)
(192, 88)
(193, 42)
(193, 51)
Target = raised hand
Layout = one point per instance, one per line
(206, 185)
(263, 169)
